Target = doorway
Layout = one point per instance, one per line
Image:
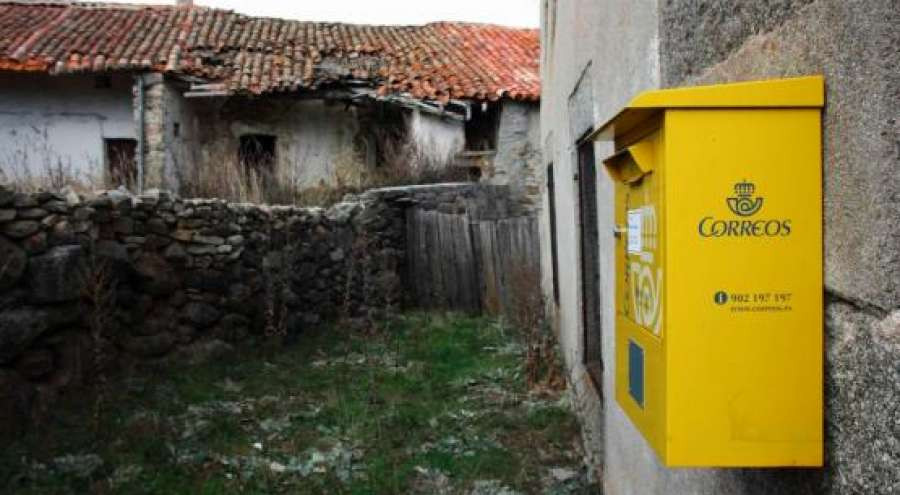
(590, 261)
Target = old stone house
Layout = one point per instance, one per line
(158, 96)
(597, 56)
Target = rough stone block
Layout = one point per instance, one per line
(201, 315)
(35, 244)
(24, 200)
(157, 226)
(61, 233)
(20, 229)
(157, 276)
(32, 213)
(18, 329)
(212, 240)
(12, 264)
(7, 195)
(56, 206)
(123, 225)
(175, 252)
(54, 276)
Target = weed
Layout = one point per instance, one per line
(98, 291)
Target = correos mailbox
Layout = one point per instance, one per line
(718, 208)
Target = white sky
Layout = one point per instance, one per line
(523, 13)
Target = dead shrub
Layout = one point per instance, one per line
(525, 313)
(234, 181)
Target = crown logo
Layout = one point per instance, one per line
(743, 203)
(744, 189)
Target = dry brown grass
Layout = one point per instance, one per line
(220, 176)
(217, 174)
(50, 176)
(32, 164)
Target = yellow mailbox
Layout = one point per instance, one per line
(719, 271)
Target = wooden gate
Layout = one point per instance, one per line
(458, 263)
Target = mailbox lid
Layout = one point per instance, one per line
(798, 92)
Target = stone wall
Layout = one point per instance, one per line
(518, 159)
(856, 46)
(159, 279)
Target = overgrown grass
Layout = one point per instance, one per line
(432, 404)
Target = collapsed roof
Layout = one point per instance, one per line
(256, 55)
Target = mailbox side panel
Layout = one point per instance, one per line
(744, 266)
(640, 282)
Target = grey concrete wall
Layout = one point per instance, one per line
(518, 159)
(628, 46)
(60, 122)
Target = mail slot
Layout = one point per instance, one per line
(718, 259)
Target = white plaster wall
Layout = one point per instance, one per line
(314, 139)
(60, 121)
(437, 140)
(616, 42)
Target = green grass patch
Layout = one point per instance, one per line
(434, 403)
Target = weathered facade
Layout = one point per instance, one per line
(597, 56)
(143, 92)
(59, 124)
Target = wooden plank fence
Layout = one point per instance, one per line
(459, 263)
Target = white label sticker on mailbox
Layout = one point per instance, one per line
(635, 219)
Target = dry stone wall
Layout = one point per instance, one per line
(162, 280)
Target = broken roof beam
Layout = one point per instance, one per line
(221, 89)
(203, 90)
(415, 104)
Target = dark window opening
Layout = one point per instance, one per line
(103, 82)
(590, 261)
(390, 136)
(551, 199)
(121, 164)
(257, 154)
(176, 129)
(481, 129)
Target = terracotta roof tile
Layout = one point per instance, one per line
(435, 61)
